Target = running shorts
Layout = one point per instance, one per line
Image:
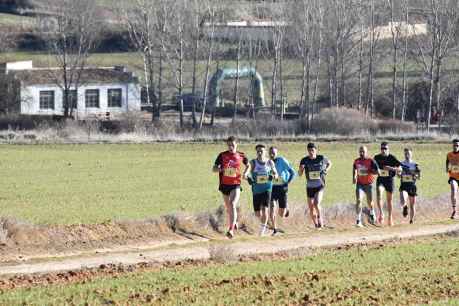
(387, 183)
(226, 189)
(279, 194)
(311, 192)
(260, 200)
(410, 188)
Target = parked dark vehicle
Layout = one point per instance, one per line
(188, 100)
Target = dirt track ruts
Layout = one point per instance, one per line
(203, 251)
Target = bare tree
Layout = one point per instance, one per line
(211, 8)
(307, 18)
(373, 37)
(70, 44)
(140, 19)
(8, 96)
(278, 28)
(172, 44)
(362, 36)
(406, 12)
(395, 30)
(236, 81)
(340, 22)
(318, 10)
(304, 35)
(442, 17)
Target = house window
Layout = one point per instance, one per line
(114, 97)
(92, 98)
(73, 99)
(47, 99)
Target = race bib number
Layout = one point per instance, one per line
(454, 169)
(362, 172)
(230, 172)
(314, 175)
(384, 173)
(407, 179)
(262, 179)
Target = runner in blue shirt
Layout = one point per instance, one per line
(280, 187)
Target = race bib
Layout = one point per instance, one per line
(230, 172)
(407, 179)
(279, 181)
(314, 175)
(362, 172)
(454, 169)
(262, 179)
(384, 173)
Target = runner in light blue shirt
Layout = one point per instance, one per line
(280, 188)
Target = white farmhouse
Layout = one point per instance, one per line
(102, 93)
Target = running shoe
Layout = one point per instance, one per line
(263, 230)
(411, 221)
(358, 223)
(372, 219)
(453, 215)
(287, 213)
(381, 219)
(275, 232)
(236, 226)
(230, 234)
(405, 211)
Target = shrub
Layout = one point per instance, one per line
(394, 126)
(345, 121)
(342, 121)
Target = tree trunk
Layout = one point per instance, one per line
(359, 103)
(405, 55)
(193, 88)
(281, 85)
(236, 82)
(437, 86)
(273, 83)
(319, 62)
(206, 80)
(180, 87)
(394, 59)
(157, 114)
(431, 89)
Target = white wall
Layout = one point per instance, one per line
(22, 65)
(130, 101)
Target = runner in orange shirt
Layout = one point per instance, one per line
(228, 166)
(452, 168)
(363, 171)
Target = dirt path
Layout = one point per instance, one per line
(207, 249)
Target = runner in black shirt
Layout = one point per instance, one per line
(388, 167)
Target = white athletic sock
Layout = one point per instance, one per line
(372, 212)
(262, 229)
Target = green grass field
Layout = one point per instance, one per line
(421, 273)
(71, 184)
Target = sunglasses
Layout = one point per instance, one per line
(384, 148)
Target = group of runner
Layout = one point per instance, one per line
(270, 174)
